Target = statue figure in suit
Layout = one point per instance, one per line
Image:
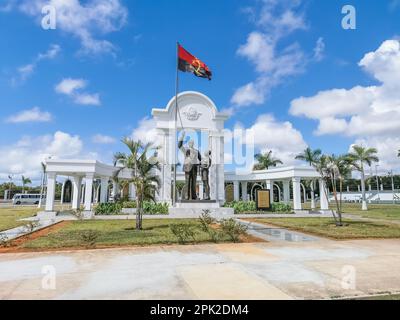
(190, 167)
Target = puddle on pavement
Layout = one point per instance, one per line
(276, 234)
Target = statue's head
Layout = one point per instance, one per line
(191, 144)
(207, 153)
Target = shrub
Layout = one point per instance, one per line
(89, 238)
(129, 205)
(281, 207)
(31, 226)
(206, 220)
(242, 206)
(4, 241)
(116, 208)
(233, 229)
(183, 232)
(108, 208)
(155, 208)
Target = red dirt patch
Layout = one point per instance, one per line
(16, 245)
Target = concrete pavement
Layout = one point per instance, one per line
(276, 270)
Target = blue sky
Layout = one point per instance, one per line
(75, 91)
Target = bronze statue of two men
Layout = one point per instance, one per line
(193, 162)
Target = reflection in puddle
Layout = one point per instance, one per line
(275, 234)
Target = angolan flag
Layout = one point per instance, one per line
(189, 63)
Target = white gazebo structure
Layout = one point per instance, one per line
(196, 113)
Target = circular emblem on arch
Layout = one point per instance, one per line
(192, 114)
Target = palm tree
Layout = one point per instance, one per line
(143, 173)
(311, 157)
(344, 169)
(328, 171)
(266, 161)
(25, 181)
(357, 159)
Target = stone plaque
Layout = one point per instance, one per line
(263, 199)
(229, 196)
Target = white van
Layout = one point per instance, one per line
(26, 199)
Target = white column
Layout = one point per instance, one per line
(51, 191)
(304, 192)
(323, 195)
(244, 191)
(62, 192)
(76, 192)
(236, 196)
(296, 194)
(132, 192)
(115, 190)
(103, 190)
(82, 194)
(286, 191)
(168, 161)
(313, 195)
(270, 186)
(88, 191)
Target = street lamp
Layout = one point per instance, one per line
(390, 174)
(10, 177)
(377, 183)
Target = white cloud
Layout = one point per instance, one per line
(25, 156)
(275, 21)
(31, 115)
(69, 86)
(88, 99)
(360, 111)
(73, 88)
(146, 131)
(281, 137)
(370, 114)
(26, 71)
(103, 139)
(319, 49)
(84, 20)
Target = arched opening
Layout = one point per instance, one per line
(67, 195)
(255, 187)
(229, 193)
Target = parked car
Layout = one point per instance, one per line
(19, 199)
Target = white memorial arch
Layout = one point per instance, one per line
(196, 112)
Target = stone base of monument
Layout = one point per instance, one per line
(193, 209)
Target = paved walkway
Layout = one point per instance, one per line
(276, 270)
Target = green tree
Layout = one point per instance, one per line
(326, 167)
(266, 161)
(311, 157)
(358, 158)
(143, 173)
(25, 181)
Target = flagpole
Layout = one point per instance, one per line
(176, 125)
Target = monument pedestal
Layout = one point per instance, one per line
(193, 209)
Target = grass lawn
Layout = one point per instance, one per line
(326, 227)
(117, 233)
(375, 211)
(9, 216)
